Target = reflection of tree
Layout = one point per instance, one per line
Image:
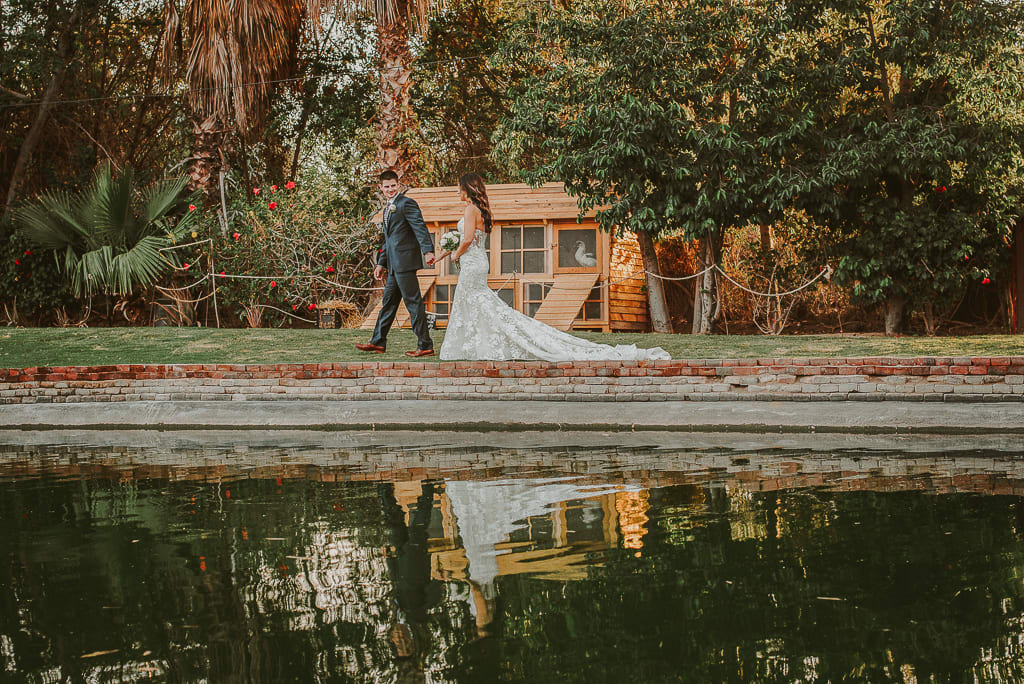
(259, 580)
(922, 583)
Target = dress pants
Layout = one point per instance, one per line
(405, 287)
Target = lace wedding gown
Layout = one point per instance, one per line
(482, 327)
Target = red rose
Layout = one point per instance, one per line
(186, 266)
(985, 281)
(966, 258)
(191, 207)
(330, 269)
(17, 262)
(255, 191)
(28, 252)
(294, 307)
(289, 185)
(273, 188)
(940, 189)
(273, 283)
(222, 274)
(272, 205)
(235, 235)
(311, 307)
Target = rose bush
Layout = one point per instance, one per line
(288, 247)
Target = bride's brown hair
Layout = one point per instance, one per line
(473, 185)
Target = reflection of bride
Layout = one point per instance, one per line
(483, 327)
(488, 512)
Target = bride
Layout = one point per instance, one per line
(482, 327)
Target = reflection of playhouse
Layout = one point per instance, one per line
(543, 262)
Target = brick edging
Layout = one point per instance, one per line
(999, 378)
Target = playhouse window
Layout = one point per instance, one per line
(443, 295)
(523, 249)
(534, 296)
(591, 309)
(578, 248)
(507, 295)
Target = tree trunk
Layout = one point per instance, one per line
(65, 51)
(395, 122)
(706, 305)
(767, 239)
(1018, 277)
(656, 301)
(894, 315)
(207, 141)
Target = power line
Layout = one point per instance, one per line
(143, 96)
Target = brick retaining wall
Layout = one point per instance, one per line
(791, 379)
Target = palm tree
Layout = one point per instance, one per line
(108, 239)
(396, 20)
(238, 51)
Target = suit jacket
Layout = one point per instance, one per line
(406, 238)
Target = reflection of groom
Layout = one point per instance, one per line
(407, 248)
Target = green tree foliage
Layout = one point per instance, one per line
(641, 110)
(461, 91)
(31, 289)
(900, 126)
(109, 106)
(108, 238)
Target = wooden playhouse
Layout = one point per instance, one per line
(543, 262)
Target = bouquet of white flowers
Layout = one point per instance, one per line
(450, 240)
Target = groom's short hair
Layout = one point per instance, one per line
(388, 175)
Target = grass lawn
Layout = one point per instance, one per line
(25, 347)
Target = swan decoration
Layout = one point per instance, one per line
(582, 257)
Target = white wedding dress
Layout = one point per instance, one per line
(482, 327)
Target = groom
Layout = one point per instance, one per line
(407, 248)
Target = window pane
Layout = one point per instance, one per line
(592, 310)
(510, 262)
(535, 291)
(441, 293)
(507, 296)
(452, 268)
(533, 262)
(441, 309)
(531, 308)
(511, 238)
(577, 248)
(596, 293)
(533, 237)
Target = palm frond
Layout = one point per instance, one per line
(108, 237)
(114, 220)
(91, 272)
(51, 222)
(140, 265)
(162, 198)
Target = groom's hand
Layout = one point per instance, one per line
(429, 258)
(378, 273)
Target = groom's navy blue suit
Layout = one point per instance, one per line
(406, 242)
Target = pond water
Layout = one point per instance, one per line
(608, 559)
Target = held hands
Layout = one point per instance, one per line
(429, 258)
(378, 273)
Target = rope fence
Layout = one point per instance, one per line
(824, 272)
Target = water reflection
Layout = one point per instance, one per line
(465, 565)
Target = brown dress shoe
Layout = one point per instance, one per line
(420, 352)
(370, 348)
